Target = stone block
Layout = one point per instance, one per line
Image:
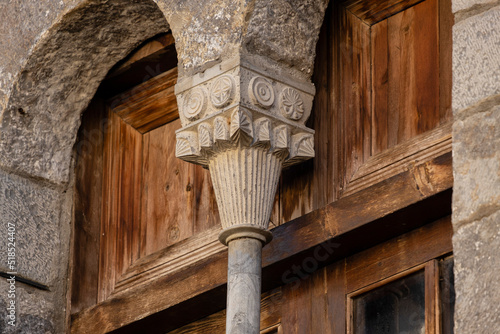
(34, 209)
(477, 269)
(476, 59)
(35, 310)
(476, 166)
(459, 5)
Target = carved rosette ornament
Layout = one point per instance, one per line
(261, 92)
(222, 91)
(291, 104)
(245, 138)
(195, 104)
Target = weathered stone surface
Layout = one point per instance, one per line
(476, 166)
(477, 269)
(35, 211)
(39, 125)
(21, 24)
(210, 31)
(458, 5)
(286, 31)
(244, 286)
(476, 59)
(35, 311)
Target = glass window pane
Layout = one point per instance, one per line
(397, 307)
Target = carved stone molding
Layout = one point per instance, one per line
(250, 126)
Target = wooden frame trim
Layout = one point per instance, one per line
(182, 254)
(395, 160)
(273, 329)
(363, 215)
(376, 11)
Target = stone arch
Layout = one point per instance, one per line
(39, 125)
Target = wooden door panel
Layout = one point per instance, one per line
(167, 192)
(383, 100)
(151, 199)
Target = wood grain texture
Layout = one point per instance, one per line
(145, 51)
(380, 87)
(426, 146)
(406, 251)
(373, 11)
(446, 22)
(87, 207)
(413, 72)
(178, 196)
(355, 94)
(216, 323)
(110, 203)
(150, 104)
(121, 202)
(336, 292)
(168, 192)
(341, 218)
(432, 300)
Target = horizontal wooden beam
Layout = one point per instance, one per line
(410, 199)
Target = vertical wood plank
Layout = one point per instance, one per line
(394, 84)
(169, 191)
(413, 71)
(379, 59)
(87, 204)
(432, 312)
(129, 214)
(446, 22)
(336, 293)
(319, 303)
(110, 200)
(426, 46)
(356, 93)
(143, 223)
(205, 211)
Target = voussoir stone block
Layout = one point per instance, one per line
(476, 166)
(35, 210)
(477, 269)
(458, 5)
(476, 59)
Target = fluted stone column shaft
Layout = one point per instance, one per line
(244, 286)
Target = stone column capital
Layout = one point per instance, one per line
(238, 103)
(244, 120)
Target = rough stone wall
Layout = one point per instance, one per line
(476, 165)
(53, 56)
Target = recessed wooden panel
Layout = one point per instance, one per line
(383, 79)
(178, 198)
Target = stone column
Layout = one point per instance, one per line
(244, 120)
